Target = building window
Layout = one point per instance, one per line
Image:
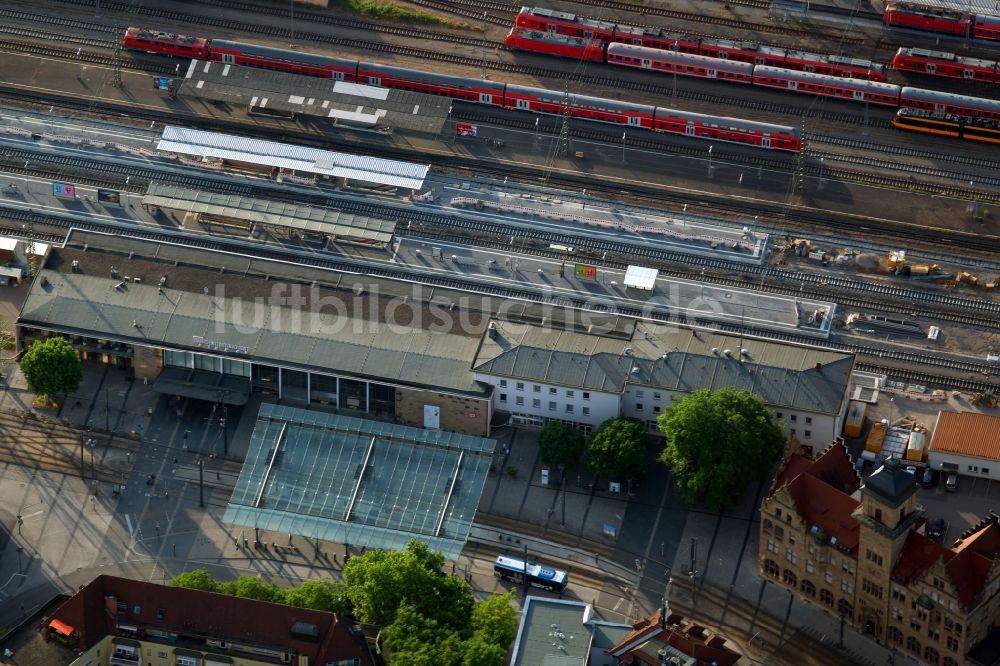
(809, 433)
(789, 578)
(656, 409)
(657, 396)
(986, 470)
(569, 409)
(160, 613)
(779, 532)
(931, 656)
(793, 418)
(952, 643)
(586, 395)
(586, 411)
(773, 547)
(871, 588)
(503, 397)
(792, 556)
(552, 405)
(640, 394)
(503, 383)
(536, 403)
(768, 525)
(771, 568)
(826, 598)
(809, 566)
(536, 388)
(520, 386)
(808, 588)
(895, 636)
(878, 515)
(809, 420)
(845, 586)
(828, 577)
(779, 414)
(638, 406)
(519, 400)
(570, 393)
(553, 390)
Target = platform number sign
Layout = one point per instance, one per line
(585, 272)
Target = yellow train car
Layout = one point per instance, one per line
(949, 126)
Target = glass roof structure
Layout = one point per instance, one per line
(359, 482)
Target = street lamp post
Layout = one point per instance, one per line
(562, 487)
(201, 482)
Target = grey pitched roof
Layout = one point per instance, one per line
(891, 482)
(672, 359)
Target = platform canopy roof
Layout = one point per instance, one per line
(376, 170)
(358, 481)
(641, 278)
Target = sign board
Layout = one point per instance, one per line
(609, 530)
(585, 272)
(432, 417)
(464, 129)
(161, 82)
(67, 190)
(109, 197)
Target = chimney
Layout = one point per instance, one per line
(819, 367)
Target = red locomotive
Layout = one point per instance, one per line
(552, 43)
(564, 23)
(945, 16)
(939, 63)
(152, 41)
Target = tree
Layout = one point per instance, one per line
(718, 442)
(479, 651)
(251, 587)
(496, 619)
(560, 444)
(617, 449)
(324, 595)
(414, 638)
(51, 366)
(379, 582)
(196, 579)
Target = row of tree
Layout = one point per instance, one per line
(427, 618)
(716, 443)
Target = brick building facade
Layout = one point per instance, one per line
(860, 551)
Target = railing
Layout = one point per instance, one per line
(121, 660)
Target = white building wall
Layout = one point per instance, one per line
(984, 468)
(550, 402)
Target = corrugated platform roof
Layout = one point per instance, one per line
(200, 143)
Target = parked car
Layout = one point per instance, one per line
(859, 465)
(951, 482)
(910, 469)
(929, 478)
(936, 528)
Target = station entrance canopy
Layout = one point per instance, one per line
(359, 482)
(372, 170)
(203, 385)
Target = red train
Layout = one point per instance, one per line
(553, 43)
(493, 93)
(944, 16)
(153, 41)
(939, 63)
(552, 22)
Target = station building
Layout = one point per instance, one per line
(860, 551)
(217, 327)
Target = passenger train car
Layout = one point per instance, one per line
(493, 93)
(546, 21)
(951, 18)
(916, 120)
(940, 63)
(686, 64)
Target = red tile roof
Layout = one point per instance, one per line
(822, 491)
(968, 564)
(967, 434)
(686, 637)
(203, 615)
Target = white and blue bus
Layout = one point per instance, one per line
(512, 569)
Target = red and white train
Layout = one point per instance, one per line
(139, 39)
(965, 19)
(552, 22)
(939, 63)
(493, 93)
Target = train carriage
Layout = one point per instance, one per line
(940, 63)
(656, 39)
(480, 91)
(564, 23)
(954, 127)
(730, 130)
(834, 65)
(685, 64)
(949, 103)
(154, 41)
(579, 48)
(284, 60)
(927, 16)
(856, 90)
(539, 100)
(986, 27)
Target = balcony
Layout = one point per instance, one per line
(122, 660)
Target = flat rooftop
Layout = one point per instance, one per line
(365, 483)
(338, 103)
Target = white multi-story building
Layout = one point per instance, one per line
(541, 374)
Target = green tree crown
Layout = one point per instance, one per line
(617, 449)
(52, 366)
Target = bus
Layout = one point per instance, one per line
(513, 570)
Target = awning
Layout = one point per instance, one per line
(203, 385)
(61, 627)
(641, 277)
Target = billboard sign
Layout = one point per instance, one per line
(585, 272)
(67, 190)
(109, 197)
(161, 82)
(464, 129)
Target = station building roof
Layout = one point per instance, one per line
(309, 219)
(337, 102)
(361, 482)
(377, 170)
(671, 359)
